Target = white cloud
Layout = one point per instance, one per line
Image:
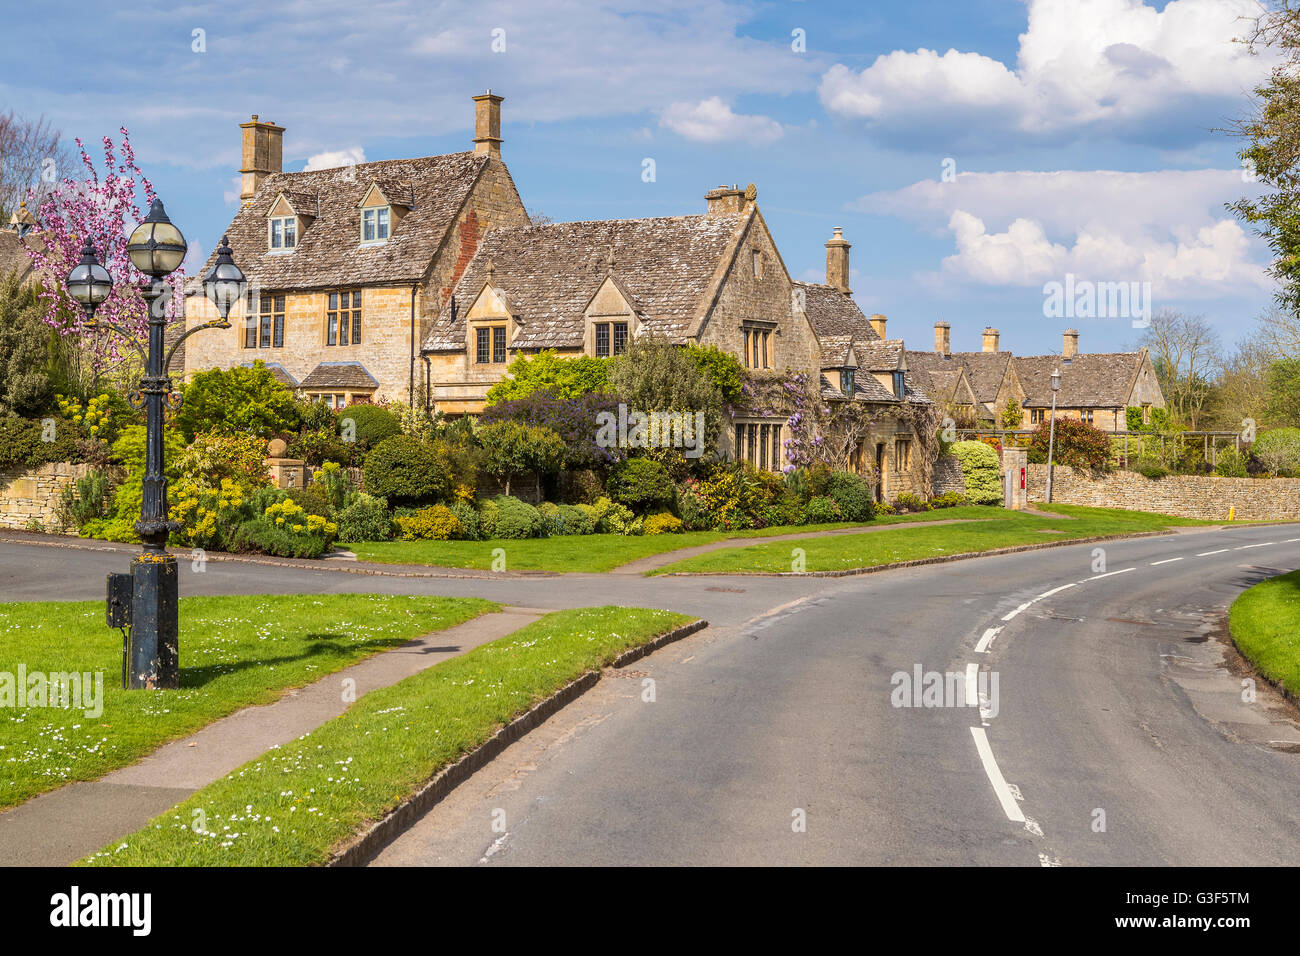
(338, 157)
(1022, 229)
(712, 121)
(1118, 67)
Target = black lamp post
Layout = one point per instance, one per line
(146, 598)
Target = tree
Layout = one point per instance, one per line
(657, 376)
(1283, 406)
(30, 357)
(1185, 351)
(32, 156)
(1073, 442)
(1241, 390)
(1013, 415)
(547, 371)
(1272, 134)
(723, 368)
(237, 400)
(510, 449)
(101, 210)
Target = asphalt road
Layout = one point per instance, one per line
(1116, 732)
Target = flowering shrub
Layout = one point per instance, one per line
(291, 516)
(206, 514)
(96, 416)
(213, 457)
(1074, 443)
(430, 524)
(609, 517)
(949, 499)
(663, 523)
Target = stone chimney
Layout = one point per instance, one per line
(837, 264)
(487, 124)
(878, 325)
(1071, 345)
(990, 339)
(263, 154)
(942, 339)
(725, 200)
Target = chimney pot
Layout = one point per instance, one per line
(878, 324)
(487, 124)
(837, 261)
(990, 339)
(262, 155)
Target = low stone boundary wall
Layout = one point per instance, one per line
(1187, 496)
(947, 476)
(32, 496)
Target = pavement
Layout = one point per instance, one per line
(1118, 736)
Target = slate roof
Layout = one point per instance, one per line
(880, 356)
(339, 375)
(329, 252)
(865, 388)
(832, 313)
(1089, 380)
(550, 272)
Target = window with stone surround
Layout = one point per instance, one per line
(759, 443)
(611, 338)
(903, 454)
(343, 318)
(490, 344)
(264, 322)
(1037, 416)
(758, 347)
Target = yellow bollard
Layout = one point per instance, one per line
(1232, 510)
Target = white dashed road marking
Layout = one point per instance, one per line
(984, 642)
(1206, 554)
(1009, 805)
(1165, 561)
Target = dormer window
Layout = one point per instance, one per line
(898, 384)
(374, 224)
(846, 380)
(284, 232)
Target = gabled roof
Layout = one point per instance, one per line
(865, 389)
(833, 313)
(329, 252)
(550, 273)
(339, 375)
(881, 356)
(13, 253)
(1088, 380)
(984, 370)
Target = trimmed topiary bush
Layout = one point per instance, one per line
(980, 466)
(517, 519)
(576, 521)
(371, 424)
(406, 471)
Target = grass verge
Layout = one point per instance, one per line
(1265, 624)
(1008, 529)
(595, 553)
(295, 804)
(235, 652)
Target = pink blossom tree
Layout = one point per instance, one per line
(103, 209)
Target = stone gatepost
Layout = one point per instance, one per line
(285, 472)
(1015, 478)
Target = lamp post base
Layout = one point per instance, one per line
(153, 654)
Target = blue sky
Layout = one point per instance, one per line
(973, 150)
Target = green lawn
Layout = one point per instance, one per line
(599, 552)
(1265, 623)
(907, 544)
(292, 806)
(235, 651)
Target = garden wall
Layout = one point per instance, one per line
(1188, 496)
(947, 476)
(31, 496)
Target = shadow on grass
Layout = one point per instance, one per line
(333, 645)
